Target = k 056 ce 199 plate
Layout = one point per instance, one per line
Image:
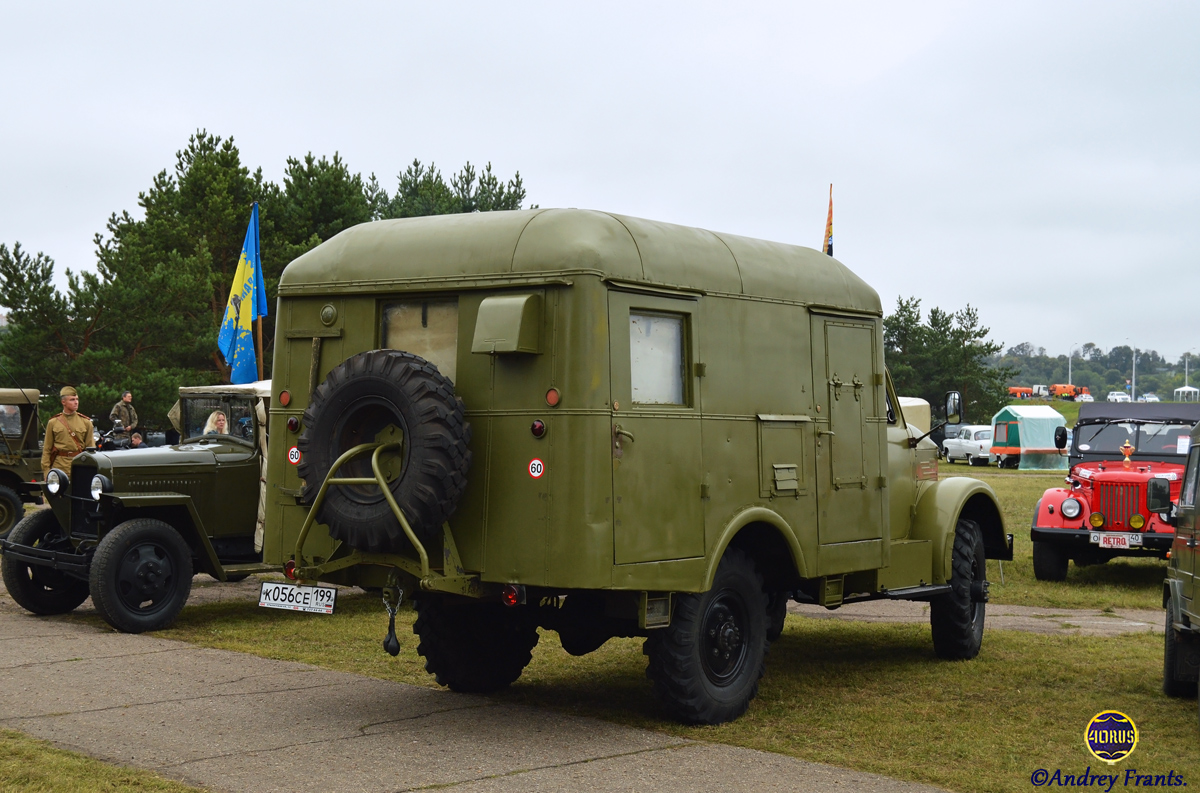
(292, 597)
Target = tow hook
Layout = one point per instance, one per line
(979, 591)
(393, 596)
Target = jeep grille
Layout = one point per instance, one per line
(1118, 502)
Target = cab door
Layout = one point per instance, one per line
(849, 425)
(657, 466)
(1184, 551)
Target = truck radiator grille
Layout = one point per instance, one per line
(81, 487)
(1118, 502)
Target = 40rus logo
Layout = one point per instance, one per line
(1111, 736)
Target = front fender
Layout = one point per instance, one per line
(938, 509)
(192, 531)
(741, 520)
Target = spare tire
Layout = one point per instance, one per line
(376, 396)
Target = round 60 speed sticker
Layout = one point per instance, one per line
(294, 455)
(536, 468)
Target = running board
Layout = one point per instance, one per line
(917, 592)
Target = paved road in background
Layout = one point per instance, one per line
(233, 722)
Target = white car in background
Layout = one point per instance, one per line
(1118, 396)
(1084, 398)
(972, 442)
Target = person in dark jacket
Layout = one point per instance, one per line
(123, 411)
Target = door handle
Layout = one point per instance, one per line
(617, 431)
(830, 433)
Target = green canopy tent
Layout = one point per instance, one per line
(1023, 437)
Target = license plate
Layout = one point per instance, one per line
(1107, 540)
(292, 597)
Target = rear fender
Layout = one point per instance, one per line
(180, 513)
(755, 516)
(940, 506)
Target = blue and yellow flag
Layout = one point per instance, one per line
(247, 302)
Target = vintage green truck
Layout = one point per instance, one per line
(130, 527)
(20, 454)
(605, 426)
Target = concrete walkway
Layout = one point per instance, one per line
(235, 722)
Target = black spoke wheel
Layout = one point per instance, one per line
(957, 617)
(12, 510)
(707, 663)
(41, 590)
(141, 576)
(473, 647)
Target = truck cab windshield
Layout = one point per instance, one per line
(228, 417)
(1159, 440)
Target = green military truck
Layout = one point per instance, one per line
(1181, 594)
(130, 527)
(604, 426)
(20, 454)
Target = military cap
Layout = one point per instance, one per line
(67, 391)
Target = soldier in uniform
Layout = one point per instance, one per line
(67, 434)
(123, 411)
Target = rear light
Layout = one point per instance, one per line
(538, 428)
(1096, 519)
(293, 423)
(512, 595)
(289, 569)
(284, 398)
(553, 397)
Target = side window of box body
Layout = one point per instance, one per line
(658, 358)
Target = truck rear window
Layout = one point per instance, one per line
(428, 328)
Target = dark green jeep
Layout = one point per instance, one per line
(131, 526)
(20, 454)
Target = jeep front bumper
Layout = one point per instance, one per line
(1080, 540)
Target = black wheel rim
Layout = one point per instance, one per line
(723, 642)
(7, 516)
(146, 578)
(362, 422)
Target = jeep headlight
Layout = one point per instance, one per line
(56, 481)
(1096, 519)
(1070, 508)
(100, 484)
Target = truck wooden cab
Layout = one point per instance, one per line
(606, 426)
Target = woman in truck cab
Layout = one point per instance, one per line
(216, 424)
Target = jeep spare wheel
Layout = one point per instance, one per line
(376, 397)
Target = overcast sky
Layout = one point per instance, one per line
(1036, 160)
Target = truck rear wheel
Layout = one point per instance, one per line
(41, 590)
(1049, 562)
(11, 509)
(707, 663)
(473, 647)
(376, 396)
(957, 617)
(1173, 685)
(141, 576)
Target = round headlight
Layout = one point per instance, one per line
(99, 485)
(55, 481)
(1096, 519)
(1070, 508)
(1136, 521)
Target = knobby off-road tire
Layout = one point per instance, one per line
(1172, 685)
(473, 647)
(141, 576)
(38, 589)
(363, 399)
(1049, 562)
(706, 664)
(957, 617)
(776, 614)
(12, 509)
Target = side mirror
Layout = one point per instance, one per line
(953, 407)
(1060, 437)
(1158, 495)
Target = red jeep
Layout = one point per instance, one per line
(1102, 514)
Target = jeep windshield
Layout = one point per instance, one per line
(1150, 439)
(218, 417)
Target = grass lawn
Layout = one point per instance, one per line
(28, 765)
(865, 696)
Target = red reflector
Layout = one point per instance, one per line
(510, 596)
(284, 398)
(293, 423)
(538, 428)
(289, 569)
(553, 397)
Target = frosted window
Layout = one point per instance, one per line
(428, 328)
(656, 359)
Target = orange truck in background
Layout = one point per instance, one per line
(1066, 391)
(1020, 391)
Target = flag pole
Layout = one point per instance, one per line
(258, 352)
(258, 339)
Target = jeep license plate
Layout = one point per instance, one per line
(1122, 541)
(315, 599)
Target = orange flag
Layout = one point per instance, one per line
(829, 225)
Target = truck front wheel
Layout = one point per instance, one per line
(957, 617)
(1049, 562)
(141, 576)
(707, 663)
(473, 647)
(1173, 685)
(39, 589)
